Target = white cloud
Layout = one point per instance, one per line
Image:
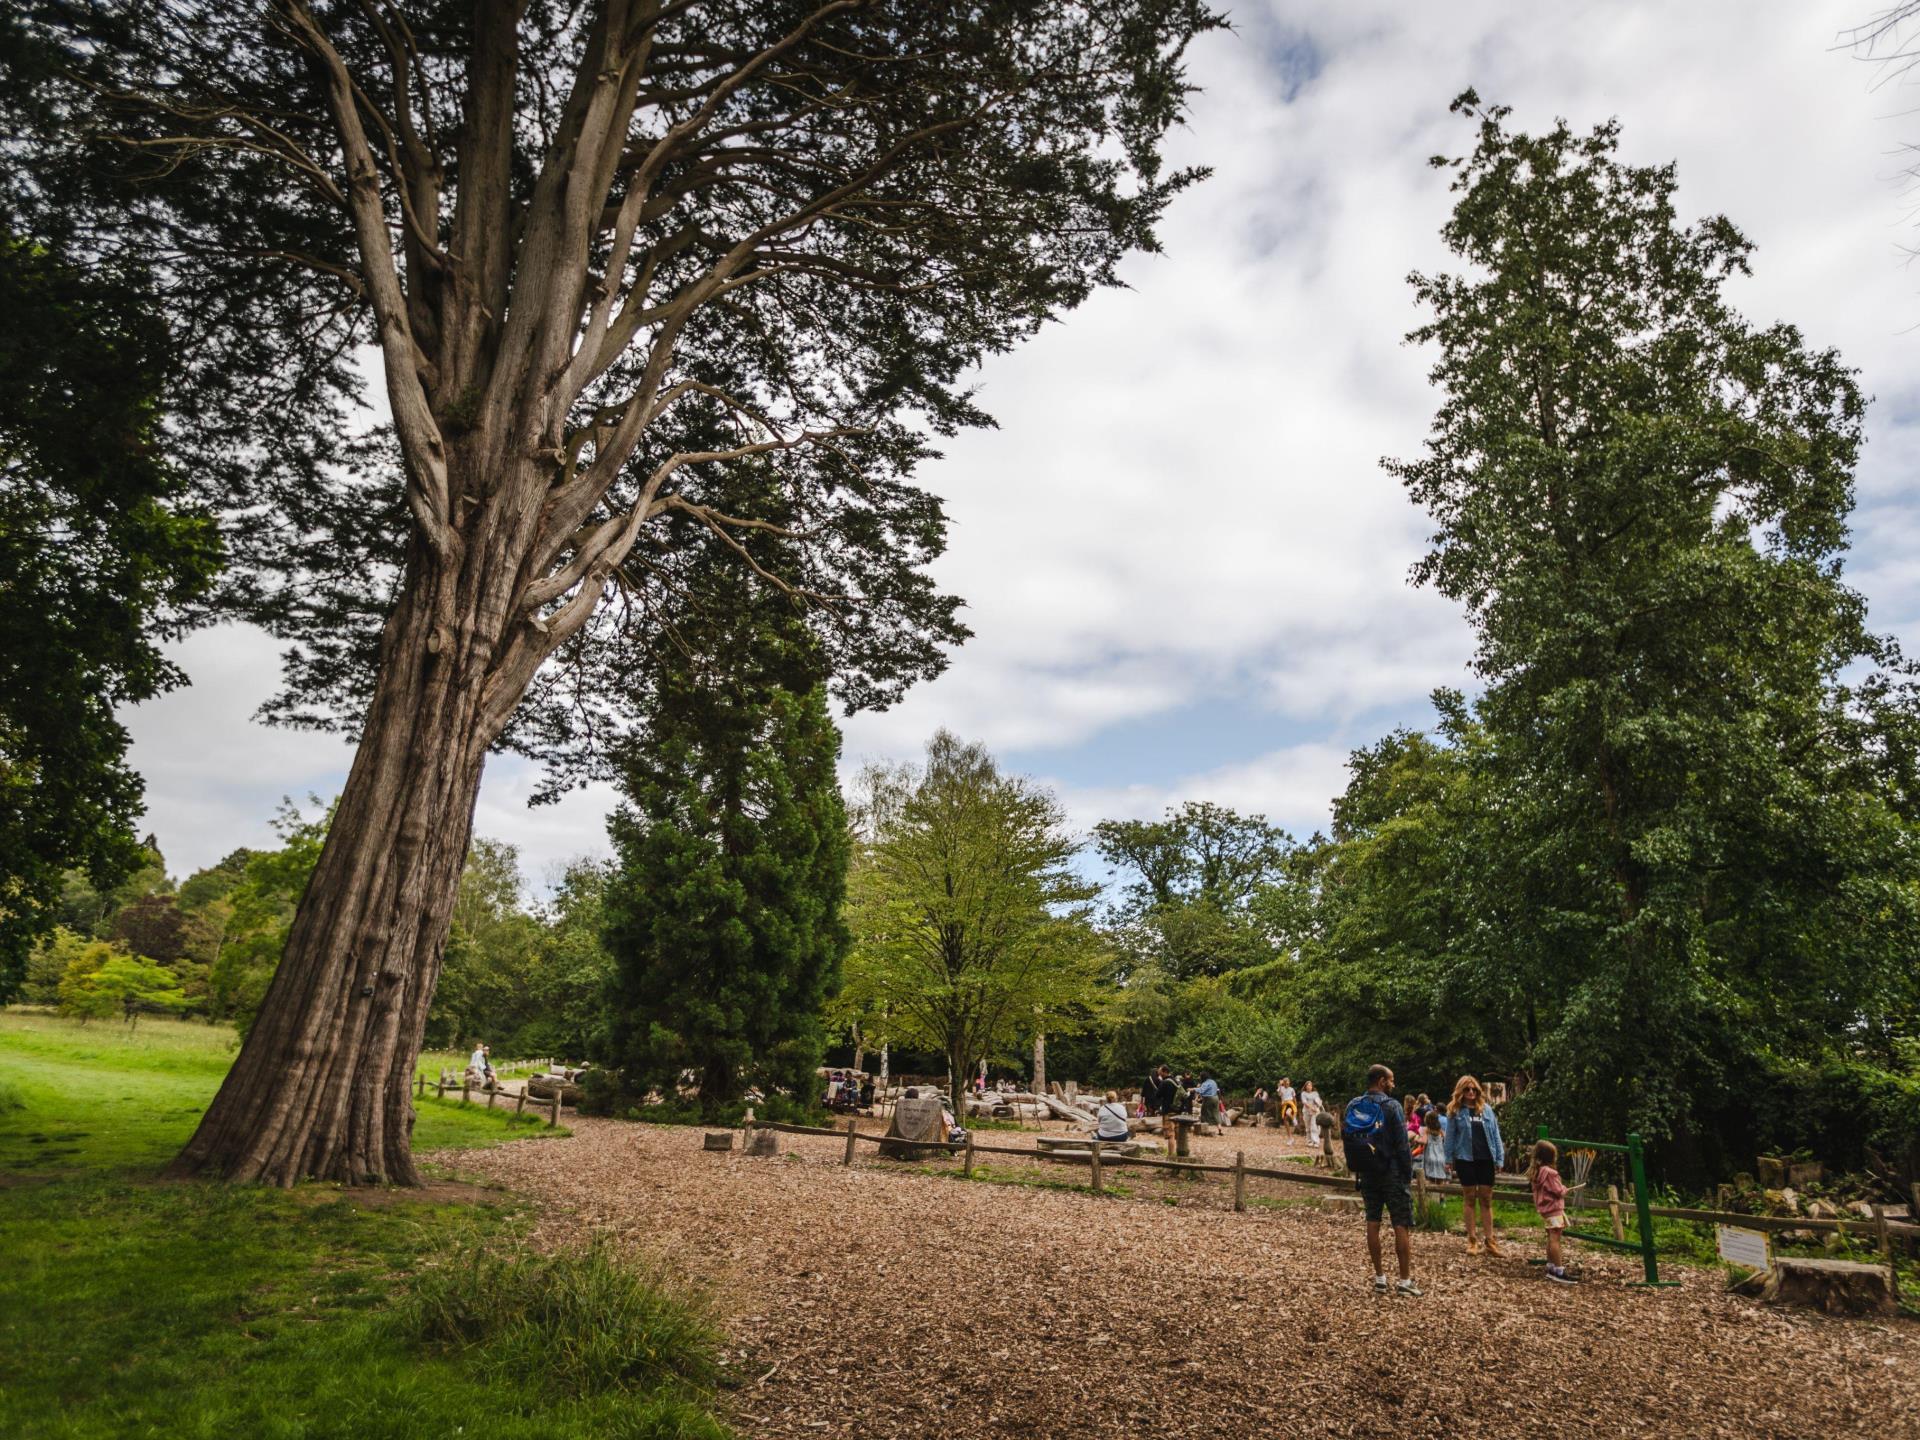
(1289, 786)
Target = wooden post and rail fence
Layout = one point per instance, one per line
(1883, 1230)
(442, 1086)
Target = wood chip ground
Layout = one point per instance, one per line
(892, 1302)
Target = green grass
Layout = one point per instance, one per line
(99, 1096)
(134, 1307)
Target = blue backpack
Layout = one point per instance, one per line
(1363, 1134)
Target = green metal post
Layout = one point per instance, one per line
(1649, 1256)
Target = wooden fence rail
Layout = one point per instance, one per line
(1241, 1172)
(441, 1087)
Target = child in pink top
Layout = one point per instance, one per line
(1550, 1199)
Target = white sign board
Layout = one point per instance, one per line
(1744, 1247)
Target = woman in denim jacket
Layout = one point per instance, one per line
(1475, 1151)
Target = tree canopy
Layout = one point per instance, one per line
(100, 556)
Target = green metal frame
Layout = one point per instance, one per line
(1637, 1166)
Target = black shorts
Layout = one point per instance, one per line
(1387, 1190)
(1474, 1172)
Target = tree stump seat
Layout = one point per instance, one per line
(1839, 1287)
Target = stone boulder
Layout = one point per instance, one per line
(719, 1140)
(1839, 1287)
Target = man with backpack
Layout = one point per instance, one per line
(1374, 1133)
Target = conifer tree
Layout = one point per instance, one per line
(724, 912)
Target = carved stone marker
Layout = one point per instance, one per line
(916, 1122)
(719, 1140)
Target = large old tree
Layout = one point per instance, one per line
(604, 250)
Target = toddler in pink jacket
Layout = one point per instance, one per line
(1550, 1199)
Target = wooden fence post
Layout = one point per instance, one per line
(420, 1090)
(554, 1118)
(521, 1107)
(1093, 1154)
(1886, 1252)
(440, 1088)
(966, 1165)
(1613, 1214)
(466, 1087)
(847, 1159)
(1419, 1197)
(1239, 1180)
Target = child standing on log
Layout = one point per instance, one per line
(1550, 1199)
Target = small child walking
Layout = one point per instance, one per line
(1550, 1199)
(1433, 1156)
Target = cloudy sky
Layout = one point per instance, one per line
(1184, 567)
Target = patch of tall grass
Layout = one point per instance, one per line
(584, 1318)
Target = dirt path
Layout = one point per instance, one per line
(880, 1303)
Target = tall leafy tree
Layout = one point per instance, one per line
(1642, 501)
(723, 913)
(100, 554)
(971, 927)
(602, 250)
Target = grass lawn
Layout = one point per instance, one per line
(130, 1306)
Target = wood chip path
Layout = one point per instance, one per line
(881, 1303)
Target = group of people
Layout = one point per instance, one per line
(480, 1067)
(1459, 1142)
(1297, 1110)
(849, 1090)
(1166, 1094)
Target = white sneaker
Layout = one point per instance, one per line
(1379, 1284)
(1407, 1287)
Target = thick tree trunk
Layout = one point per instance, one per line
(1040, 1062)
(322, 1086)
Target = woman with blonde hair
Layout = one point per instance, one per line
(1110, 1121)
(1476, 1153)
